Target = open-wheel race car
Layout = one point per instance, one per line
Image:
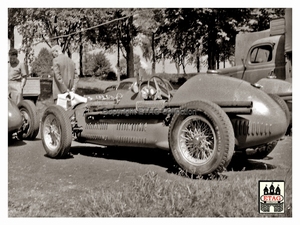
(202, 123)
(23, 120)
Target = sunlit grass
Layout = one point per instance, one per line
(150, 196)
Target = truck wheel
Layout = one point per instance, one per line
(31, 121)
(203, 142)
(261, 151)
(56, 132)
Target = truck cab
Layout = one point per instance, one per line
(263, 54)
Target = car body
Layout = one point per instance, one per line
(202, 123)
(23, 120)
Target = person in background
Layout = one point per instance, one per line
(17, 76)
(65, 77)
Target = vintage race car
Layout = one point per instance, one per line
(202, 123)
(23, 120)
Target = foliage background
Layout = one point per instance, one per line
(182, 35)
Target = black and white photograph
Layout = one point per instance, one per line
(141, 112)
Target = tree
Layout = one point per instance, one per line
(41, 66)
(56, 26)
(148, 26)
(97, 65)
(260, 18)
(16, 16)
(180, 34)
(223, 25)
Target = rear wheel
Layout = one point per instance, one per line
(56, 132)
(31, 122)
(283, 105)
(261, 151)
(201, 143)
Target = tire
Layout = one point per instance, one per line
(210, 127)
(283, 105)
(31, 121)
(261, 151)
(56, 132)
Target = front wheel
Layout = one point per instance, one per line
(31, 123)
(56, 132)
(201, 143)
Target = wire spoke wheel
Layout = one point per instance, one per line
(56, 132)
(202, 142)
(196, 139)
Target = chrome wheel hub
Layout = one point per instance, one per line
(52, 133)
(197, 139)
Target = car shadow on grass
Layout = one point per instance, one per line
(164, 159)
(240, 162)
(147, 156)
(140, 155)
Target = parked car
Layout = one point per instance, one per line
(202, 123)
(23, 120)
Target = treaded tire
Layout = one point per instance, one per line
(56, 132)
(30, 118)
(212, 146)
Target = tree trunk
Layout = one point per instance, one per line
(80, 60)
(198, 63)
(212, 36)
(130, 60)
(153, 55)
(163, 64)
(177, 67)
(129, 49)
(11, 35)
(183, 66)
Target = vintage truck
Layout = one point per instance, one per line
(265, 58)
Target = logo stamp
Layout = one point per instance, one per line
(271, 196)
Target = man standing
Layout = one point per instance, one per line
(17, 76)
(65, 77)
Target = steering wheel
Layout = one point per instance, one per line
(159, 92)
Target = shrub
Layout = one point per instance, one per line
(41, 66)
(97, 65)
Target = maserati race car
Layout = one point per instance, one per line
(23, 120)
(202, 123)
